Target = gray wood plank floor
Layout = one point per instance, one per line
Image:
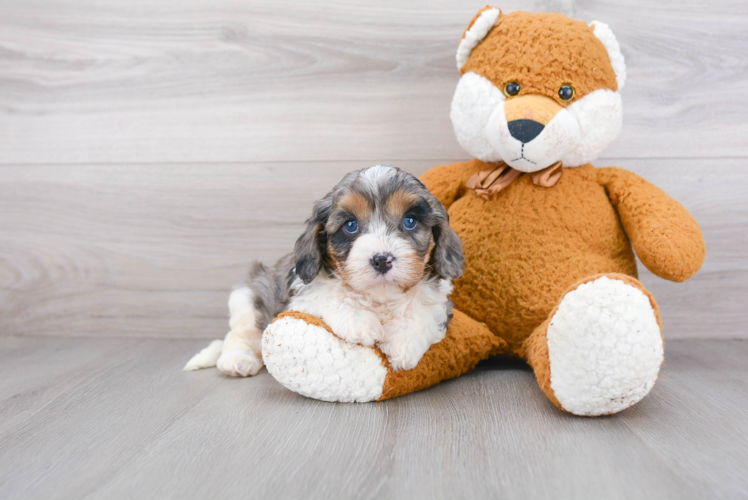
(116, 418)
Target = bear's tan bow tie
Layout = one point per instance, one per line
(490, 181)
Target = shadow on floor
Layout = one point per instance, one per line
(502, 363)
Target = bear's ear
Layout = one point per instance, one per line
(606, 36)
(476, 31)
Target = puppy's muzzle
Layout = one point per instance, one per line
(382, 262)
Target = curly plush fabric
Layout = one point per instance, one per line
(304, 355)
(570, 54)
(536, 348)
(667, 240)
(525, 246)
(467, 342)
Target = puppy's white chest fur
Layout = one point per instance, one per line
(402, 324)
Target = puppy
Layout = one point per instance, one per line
(375, 263)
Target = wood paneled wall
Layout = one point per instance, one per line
(149, 150)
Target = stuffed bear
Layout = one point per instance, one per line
(549, 239)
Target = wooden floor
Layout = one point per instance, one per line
(117, 418)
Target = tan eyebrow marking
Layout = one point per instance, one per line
(355, 203)
(399, 202)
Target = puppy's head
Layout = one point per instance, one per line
(379, 228)
(536, 89)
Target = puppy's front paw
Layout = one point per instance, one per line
(239, 363)
(356, 327)
(403, 355)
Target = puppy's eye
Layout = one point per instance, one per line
(511, 88)
(351, 226)
(410, 223)
(566, 93)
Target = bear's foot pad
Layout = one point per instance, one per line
(309, 360)
(605, 348)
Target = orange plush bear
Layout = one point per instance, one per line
(550, 271)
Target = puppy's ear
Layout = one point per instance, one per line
(447, 258)
(310, 247)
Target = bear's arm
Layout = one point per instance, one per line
(667, 239)
(447, 182)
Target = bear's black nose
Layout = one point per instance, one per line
(525, 130)
(382, 262)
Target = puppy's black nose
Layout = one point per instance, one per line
(382, 262)
(525, 130)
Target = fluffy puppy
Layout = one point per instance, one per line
(375, 262)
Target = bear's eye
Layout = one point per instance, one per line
(511, 88)
(566, 93)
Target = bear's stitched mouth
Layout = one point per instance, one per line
(522, 155)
